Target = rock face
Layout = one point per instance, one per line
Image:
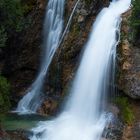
(114, 129)
(13, 135)
(129, 71)
(129, 76)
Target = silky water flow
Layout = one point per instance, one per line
(52, 33)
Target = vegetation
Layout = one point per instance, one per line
(135, 19)
(88, 2)
(126, 111)
(4, 94)
(11, 13)
(12, 18)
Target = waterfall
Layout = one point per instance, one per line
(52, 32)
(84, 116)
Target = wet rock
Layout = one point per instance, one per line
(41, 4)
(114, 127)
(3, 135)
(137, 130)
(114, 130)
(115, 133)
(15, 135)
(49, 107)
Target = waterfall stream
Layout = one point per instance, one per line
(52, 32)
(84, 116)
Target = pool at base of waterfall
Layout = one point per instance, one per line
(13, 121)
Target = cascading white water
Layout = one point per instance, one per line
(84, 117)
(52, 33)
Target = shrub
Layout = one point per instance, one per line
(4, 95)
(12, 13)
(126, 111)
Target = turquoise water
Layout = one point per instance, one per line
(14, 121)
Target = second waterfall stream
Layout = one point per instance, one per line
(52, 33)
(84, 116)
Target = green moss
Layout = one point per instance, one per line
(11, 12)
(4, 96)
(13, 18)
(73, 35)
(126, 111)
(76, 29)
(135, 20)
(3, 37)
(28, 5)
(88, 2)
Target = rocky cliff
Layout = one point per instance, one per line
(129, 71)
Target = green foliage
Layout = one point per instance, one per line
(126, 111)
(76, 30)
(4, 95)
(12, 17)
(3, 37)
(28, 5)
(88, 2)
(135, 19)
(136, 13)
(12, 13)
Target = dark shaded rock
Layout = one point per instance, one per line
(115, 126)
(15, 135)
(114, 131)
(19, 135)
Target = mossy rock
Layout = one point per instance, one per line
(126, 110)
